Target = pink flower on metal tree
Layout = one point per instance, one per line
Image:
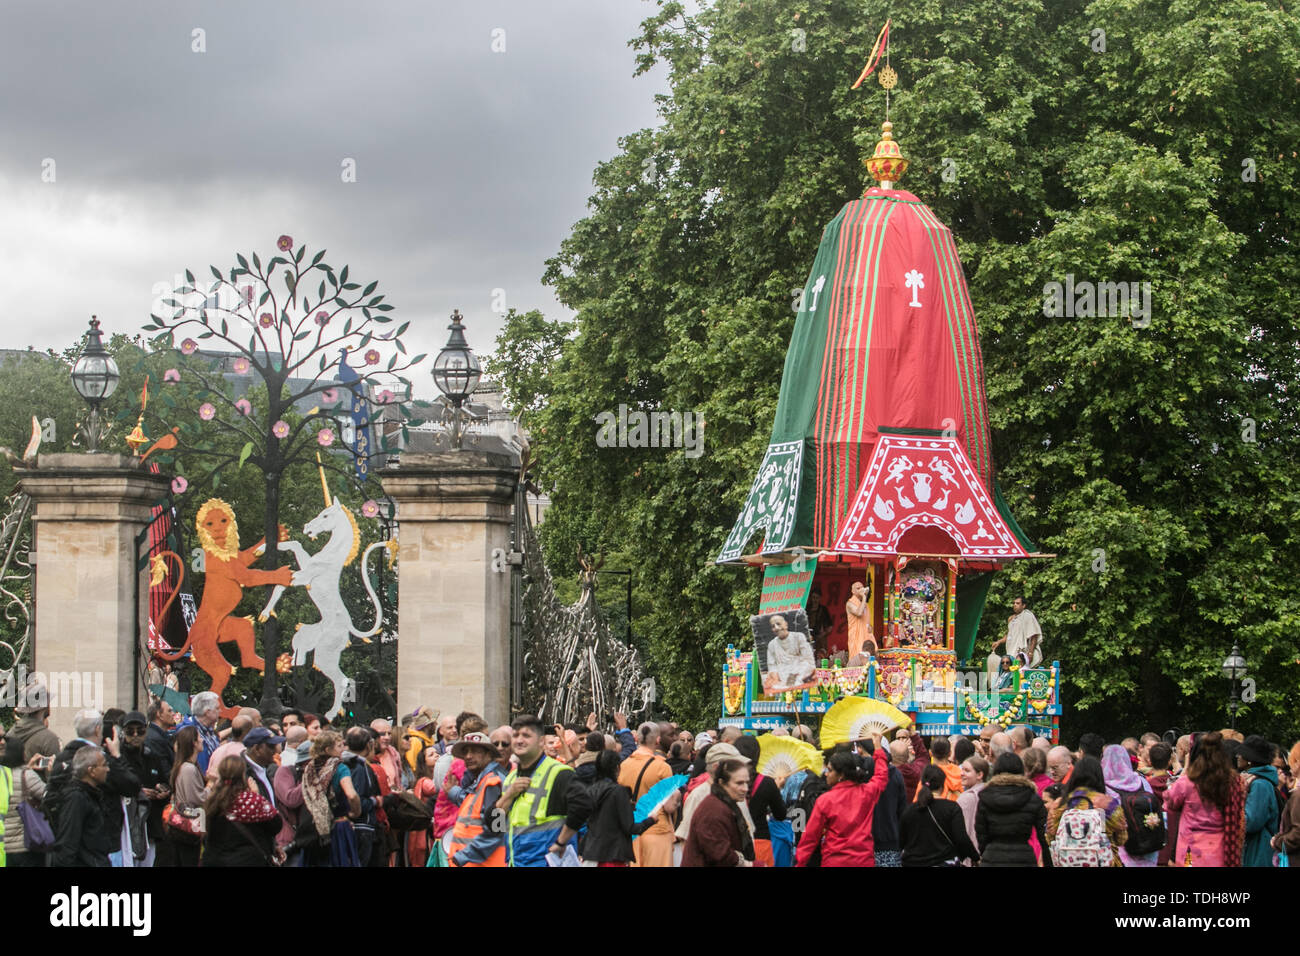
(384, 397)
(284, 243)
(240, 366)
(179, 484)
(370, 509)
(245, 406)
(171, 375)
(329, 396)
(266, 320)
(371, 356)
(322, 318)
(280, 429)
(189, 347)
(325, 437)
(207, 411)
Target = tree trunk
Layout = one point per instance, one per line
(270, 705)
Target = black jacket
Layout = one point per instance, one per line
(606, 809)
(152, 771)
(886, 820)
(226, 845)
(84, 836)
(934, 841)
(1009, 810)
(121, 782)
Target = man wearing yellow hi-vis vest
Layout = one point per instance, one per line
(535, 796)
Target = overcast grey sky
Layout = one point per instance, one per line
(471, 164)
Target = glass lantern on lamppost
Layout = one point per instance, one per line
(456, 372)
(1234, 668)
(95, 378)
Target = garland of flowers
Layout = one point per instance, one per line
(1004, 719)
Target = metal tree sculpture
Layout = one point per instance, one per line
(324, 345)
(573, 665)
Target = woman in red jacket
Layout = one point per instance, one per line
(841, 817)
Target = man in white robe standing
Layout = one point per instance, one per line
(1023, 635)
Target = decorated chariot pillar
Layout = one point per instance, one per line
(90, 598)
(454, 516)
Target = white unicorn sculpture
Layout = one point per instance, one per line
(319, 573)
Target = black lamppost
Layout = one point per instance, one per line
(1234, 668)
(456, 372)
(95, 378)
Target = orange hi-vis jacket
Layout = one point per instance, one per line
(470, 822)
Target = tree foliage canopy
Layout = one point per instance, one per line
(1121, 140)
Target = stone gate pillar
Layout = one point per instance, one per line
(453, 623)
(91, 605)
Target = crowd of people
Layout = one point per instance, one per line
(150, 789)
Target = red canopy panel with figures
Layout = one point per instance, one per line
(916, 482)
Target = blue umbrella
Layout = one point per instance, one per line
(656, 796)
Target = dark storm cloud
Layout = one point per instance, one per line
(471, 165)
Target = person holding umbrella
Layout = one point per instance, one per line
(605, 809)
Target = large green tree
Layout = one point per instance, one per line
(1122, 140)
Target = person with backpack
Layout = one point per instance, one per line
(1263, 803)
(1086, 828)
(1008, 811)
(1143, 810)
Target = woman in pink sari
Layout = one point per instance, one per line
(1212, 802)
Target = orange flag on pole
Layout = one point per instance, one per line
(877, 51)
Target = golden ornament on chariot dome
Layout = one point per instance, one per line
(888, 78)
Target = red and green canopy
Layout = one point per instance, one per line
(885, 340)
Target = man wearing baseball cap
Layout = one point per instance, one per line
(479, 838)
(260, 746)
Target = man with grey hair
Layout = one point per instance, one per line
(120, 781)
(84, 834)
(1022, 738)
(205, 710)
(1059, 763)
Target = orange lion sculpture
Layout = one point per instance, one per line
(227, 574)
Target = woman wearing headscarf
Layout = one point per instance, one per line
(1122, 781)
(1211, 802)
